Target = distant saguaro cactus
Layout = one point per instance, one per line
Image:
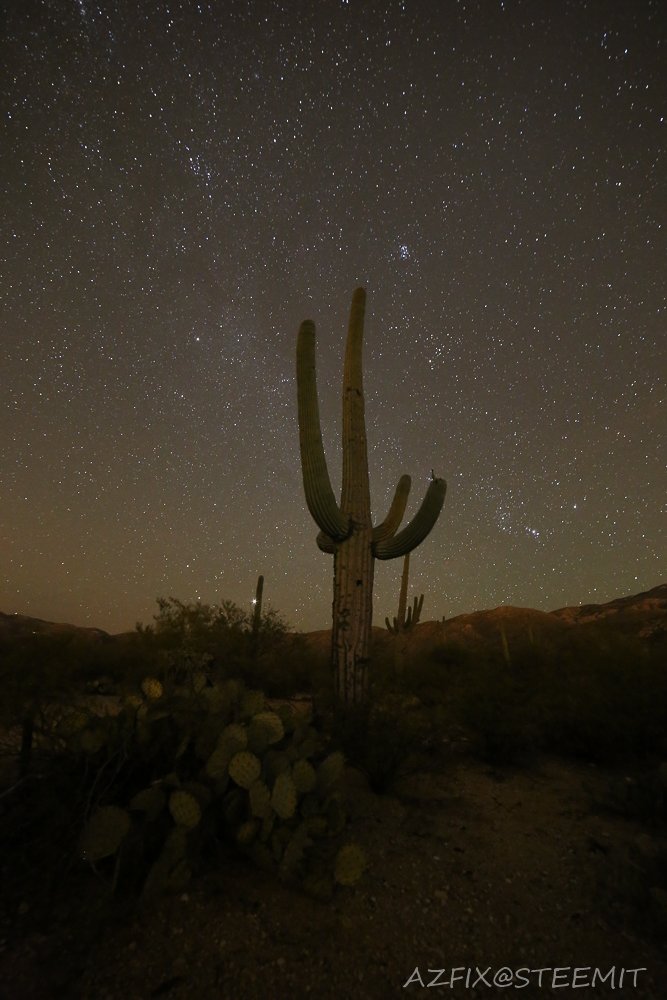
(257, 615)
(346, 529)
(404, 621)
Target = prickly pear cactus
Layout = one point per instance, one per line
(260, 799)
(288, 717)
(199, 681)
(105, 832)
(284, 796)
(171, 872)
(275, 762)
(185, 809)
(265, 729)
(304, 776)
(330, 772)
(234, 737)
(245, 768)
(72, 723)
(247, 832)
(251, 703)
(150, 801)
(217, 765)
(294, 853)
(350, 864)
(226, 765)
(217, 699)
(152, 688)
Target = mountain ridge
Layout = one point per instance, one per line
(643, 614)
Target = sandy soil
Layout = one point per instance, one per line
(471, 867)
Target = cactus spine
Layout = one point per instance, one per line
(346, 529)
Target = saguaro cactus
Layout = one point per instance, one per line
(346, 529)
(403, 622)
(257, 616)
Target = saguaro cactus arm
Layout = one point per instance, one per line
(316, 483)
(325, 543)
(391, 522)
(414, 533)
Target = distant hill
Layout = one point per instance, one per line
(641, 615)
(644, 614)
(19, 626)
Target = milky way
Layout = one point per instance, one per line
(184, 183)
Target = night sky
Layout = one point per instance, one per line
(183, 183)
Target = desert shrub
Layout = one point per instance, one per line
(595, 696)
(385, 738)
(451, 654)
(604, 698)
(36, 671)
(221, 640)
(497, 705)
(287, 667)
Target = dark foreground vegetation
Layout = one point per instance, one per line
(143, 760)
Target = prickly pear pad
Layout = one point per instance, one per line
(106, 830)
(283, 798)
(185, 809)
(244, 768)
(350, 864)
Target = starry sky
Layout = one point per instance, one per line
(184, 182)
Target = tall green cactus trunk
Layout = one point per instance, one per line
(346, 529)
(352, 616)
(403, 595)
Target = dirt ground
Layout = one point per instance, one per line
(471, 868)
